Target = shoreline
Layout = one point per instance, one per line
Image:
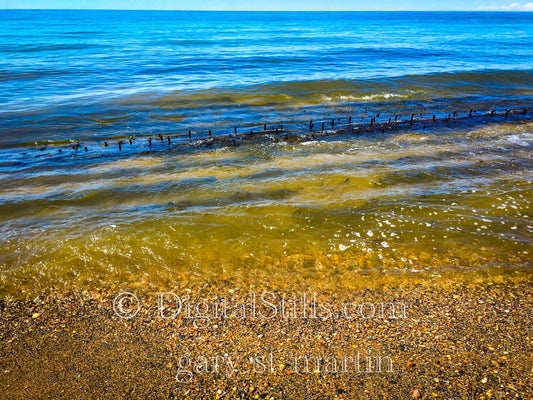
(75, 346)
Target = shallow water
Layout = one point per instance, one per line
(408, 201)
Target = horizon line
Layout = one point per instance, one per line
(223, 10)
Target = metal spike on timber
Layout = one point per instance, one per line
(303, 131)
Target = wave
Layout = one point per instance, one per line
(29, 75)
(142, 112)
(48, 47)
(316, 91)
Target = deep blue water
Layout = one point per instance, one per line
(89, 74)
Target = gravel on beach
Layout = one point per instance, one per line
(455, 341)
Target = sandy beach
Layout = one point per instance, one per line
(459, 338)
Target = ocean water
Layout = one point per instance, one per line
(426, 198)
